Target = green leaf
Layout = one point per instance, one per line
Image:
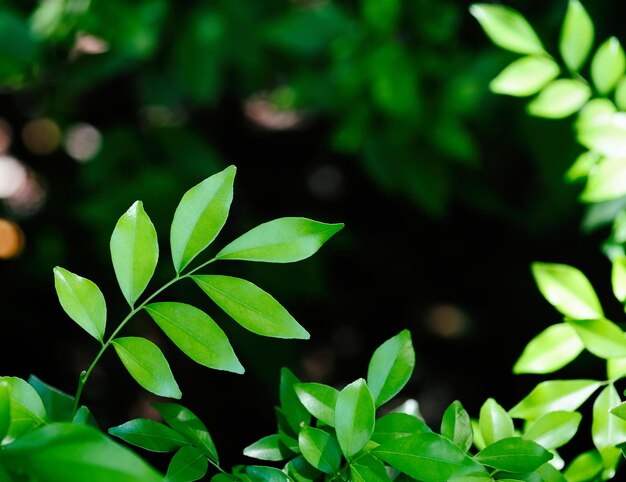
(147, 365)
(149, 435)
(568, 290)
(301, 471)
(607, 181)
(186, 423)
(320, 449)
(283, 240)
(266, 474)
(560, 98)
(616, 368)
(26, 408)
(396, 425)
(5, 409)
(319, 400)
(477, 437)
(554, 395)
(84, 417)
(59, 405)
(525, 76)
(457, 426)
(607, 430)
(507, 28)
(607, 65)
(390, 367)
(550, 350)
(251, 307)
(428, 457)
(618, 278)
(134, 251)
(200, 216)
(494, 422)
(196, 334)
(187, 465)
(554, 429)
(368, 469)
(354, 417)
(82, 300)
(585, 467)
(75, 453)
(295, 412)
(582, 166)
(271, 448)
(549, 473)
(619, 410)
(620, 94)
(514, 454)
(576, 36)
(601, 337)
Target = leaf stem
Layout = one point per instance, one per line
(84, 376)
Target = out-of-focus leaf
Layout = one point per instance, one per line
(58, 404)
(607, 429)
(560, 98)
(618, 278)
(606, 181)
(582, 166)
(620, 94)
(5, 409)
(607, 65)
(601, 337)
(525, 76)
(576, 36)
(586, 466)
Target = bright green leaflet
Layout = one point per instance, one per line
(576, 36)
(620, 94)
(583, 164)
(295, 412)
(320, 449)
(607, 65)
(271, 448)
(396, 425)
(568, 290)
(200, 216)
(514, 454)
(147, 365)
(606, 182)
(550, 350)
(618, 278)
(390, 367)
(368, 469)
(550, 396)
(507, 28)
(354, 417)
(149, 435)
(5, 409)
(75, 453)
(187, 465)
(584, 467)
(601, 337)
(525, 76)
(134, 251)
(456, 426)
(283, 240)
(616, 368)
(196, 334)
(607, 430)
(603, 135)
(319, 400)
(58, 405)
(494, 422)
(560, 98)
(554, 429)
(251, 307)
(428, 457)
(26, 408)
(82, 300)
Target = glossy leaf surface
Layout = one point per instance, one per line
(196, 334)
(457, 426)
(554, 429)
(187, 465)
(320, 449)
(514, 455)
(494, 422)
(271, 448)
(293, 409)
(251, 307)
(149, 435)
(525, 76)
(607, 430)
(601, 337)
(319, 400)
(397, 425)
(259, 473)
(577, 36)
(26, 408)
(560, 98)
(368, 469)
(354, 417)
(58, 405)
(147, 365)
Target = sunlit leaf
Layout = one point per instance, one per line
(607, 181)
(607, 429)
(149, 435)
(319, 400)
(495, 423)
(514, 454)
(554, 429)
(616, 368)
(601, 337)
(560, 98)
(607, 65)
(525, 76)
(620, 94)
(134, 251)
(271, 447)
(618, 278)
(26, 408)
(396, 425)
(456, 426)
(582, 166)
(82, 300)
(354, 417)
(147, 365)
(187, 465)
(576, 36)
(585, 467)
(320, 449)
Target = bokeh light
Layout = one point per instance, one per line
(447, 321)
(82, 142)
(41, 136)
(87, 44)
(12, 176)
(11, 239)
(29, 198)
(265, 110)
(6, 136)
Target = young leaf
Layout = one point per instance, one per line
(514, 455)
(568, 290)
(368, 469)
(607, 65)
(147, 365)
(587, 466)
(559, 99)
(607, 181)
(5, 409)
(185, 422)
(554, 395)
(607, 430)
(319, 400)
(456, 426)
(82, 300)
(26, 408)
(200, 216)
(134, 251)
(295, 412)
(58, 405)
(576, 36)
(428, 457)
(354, 417)
(477, 437)
(196, 334)
(525, 76)
(396, 425)
(391, 367)
(618, 278)
(495, 424)
(84, 417)
(149, 435)
(283, 240)
(507, 28)
(601, 337)
(271, 448)
(550, 350)
(554, 429)
(251, 307)
(187, 465)
(616, 368)
(320, 449)
(75, 453)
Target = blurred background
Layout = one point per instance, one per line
(375, 113)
